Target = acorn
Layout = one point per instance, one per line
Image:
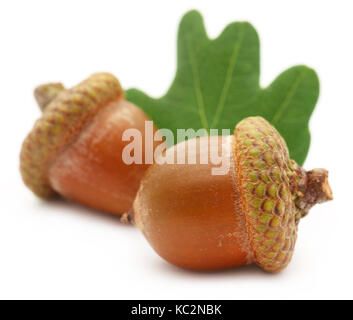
(75, 148)
(250, 214)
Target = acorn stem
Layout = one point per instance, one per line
(128, 217)
(317, 189)
(46, 93)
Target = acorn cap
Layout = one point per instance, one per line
(274, 191)
(62, 120)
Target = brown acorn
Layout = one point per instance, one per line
(75, 148)
(201, 221)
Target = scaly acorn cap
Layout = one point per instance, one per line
(275, 192)
(62, 119)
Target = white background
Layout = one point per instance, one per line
(61, 250)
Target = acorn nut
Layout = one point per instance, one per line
(201, 221)
(75, 148)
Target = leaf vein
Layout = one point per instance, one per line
(197, 87)
(228, 78)
(278, 114)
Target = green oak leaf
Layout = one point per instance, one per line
(217, 85)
